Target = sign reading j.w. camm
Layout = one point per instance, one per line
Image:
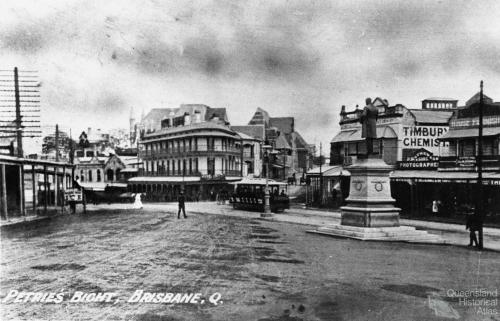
(424, 137)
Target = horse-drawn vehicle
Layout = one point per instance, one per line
(249, 194)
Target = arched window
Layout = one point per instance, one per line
(81, 176)
(110, 175)
(98, 175)
(90, 175)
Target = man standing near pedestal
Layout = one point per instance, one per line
(368, 121)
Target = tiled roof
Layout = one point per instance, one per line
(300, 142)
(157, 114)
(195, 126)
(431, 116)
(475, 99)
(281, 142)
(255, 131)
(284, 124)
(216, 112)
(260, 117)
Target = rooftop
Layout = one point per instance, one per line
(432, 116)
(440, 99)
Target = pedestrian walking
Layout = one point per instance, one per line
(472, 225)
(137, 201)
(182, 206)
(435, 207)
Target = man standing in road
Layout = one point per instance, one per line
(472, 225)
(181, 199)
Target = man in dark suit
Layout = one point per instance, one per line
(472, 224)
(182, 206)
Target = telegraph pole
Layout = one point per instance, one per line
(320, 173)
(19, 129)
(479, 200)
(57, 143)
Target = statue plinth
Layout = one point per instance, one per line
(370, 203)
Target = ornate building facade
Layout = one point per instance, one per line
(191, 148)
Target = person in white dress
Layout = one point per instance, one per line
(137, 201)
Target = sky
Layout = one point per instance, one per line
(98, 59)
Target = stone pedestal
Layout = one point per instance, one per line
(370, 203)
(370, 214)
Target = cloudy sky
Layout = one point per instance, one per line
(97, 59)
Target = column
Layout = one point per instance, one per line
(45, 189)
(22, 201)
(4, 192)
(35, 185)
(63, 186)
(56, 186)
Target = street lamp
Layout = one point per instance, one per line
(267, 207)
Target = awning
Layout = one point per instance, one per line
(258, 181)
(470, 132)
(329, 171)
(355, 135)
(100, 186)
(343, 136)
(422, 176)
(163, 179)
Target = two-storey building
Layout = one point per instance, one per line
(405, 137)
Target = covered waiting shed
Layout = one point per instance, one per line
(30, 186)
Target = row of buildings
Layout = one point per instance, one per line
(194, 148)
(433, 150)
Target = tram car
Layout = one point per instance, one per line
(249, 195)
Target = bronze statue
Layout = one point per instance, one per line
(368, 120)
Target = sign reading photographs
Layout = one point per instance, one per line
(421, 159)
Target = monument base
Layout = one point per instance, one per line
(370, 217)
(370, 214)
(397, 233)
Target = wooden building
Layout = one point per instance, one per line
(32, 187)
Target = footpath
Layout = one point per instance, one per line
(453, 234)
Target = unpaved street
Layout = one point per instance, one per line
(263, 271)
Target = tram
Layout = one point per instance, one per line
(249, 195)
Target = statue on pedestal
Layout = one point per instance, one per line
(368, 120)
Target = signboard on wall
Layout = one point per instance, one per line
(418, 137)
(420, 159)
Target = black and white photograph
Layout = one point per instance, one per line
(280, 160)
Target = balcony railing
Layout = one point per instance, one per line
(217, 173)
(175, 152)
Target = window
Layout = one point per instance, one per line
(90, 175)
(467, 147)
(110, 175)
(82, 176)
(98, 175)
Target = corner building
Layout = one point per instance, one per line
(191, 148)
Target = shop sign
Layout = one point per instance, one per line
(217, 177)
(474, 122)
(422, 159)
(468, 161)
(416, 137)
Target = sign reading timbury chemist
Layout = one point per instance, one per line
(421, 146)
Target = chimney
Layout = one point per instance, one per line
(187, 119)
